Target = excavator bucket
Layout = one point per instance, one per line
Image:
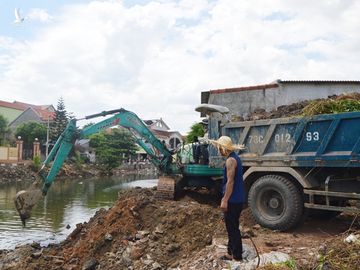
(25, 200)
(166, 186)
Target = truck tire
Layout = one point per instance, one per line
(276, 202)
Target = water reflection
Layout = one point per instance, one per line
(68, 202)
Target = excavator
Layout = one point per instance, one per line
(174, 172)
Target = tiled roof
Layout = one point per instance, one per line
(44, 114)
(11, 105)
(21, 106)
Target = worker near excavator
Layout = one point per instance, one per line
(233, 195)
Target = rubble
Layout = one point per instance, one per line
(142, 232)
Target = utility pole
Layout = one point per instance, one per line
(47, 138)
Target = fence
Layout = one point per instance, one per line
(18, 154)
(9, 154)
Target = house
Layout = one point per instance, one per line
(242, 101)
(157, 126)
(17, 113)
(162, 131)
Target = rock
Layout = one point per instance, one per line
(126, 261)
(351, 238)
(36, 255)
(90, 264)
(322, 249)
(159, 230)
(136, 253)
(59, 262)
(156, 266)
(74, 261)
(147, 262)
(141, 234)
(269, 244)
(172, 247)
(35, 245)
(68, 226)
(108, 237)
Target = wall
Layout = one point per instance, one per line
(9, 113)
(246, 101)
(26, 116)
(8, 154)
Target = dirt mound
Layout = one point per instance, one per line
(138, 232)
(142, 232)
(10, 173)
(333, 104)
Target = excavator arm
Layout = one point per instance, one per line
(159, 155)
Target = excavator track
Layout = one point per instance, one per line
(166, 186)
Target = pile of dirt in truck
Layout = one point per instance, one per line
(333, 104)
(142, 232)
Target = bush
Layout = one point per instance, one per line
(78, 160)
(36, 165)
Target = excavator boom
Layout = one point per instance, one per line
(159, 155)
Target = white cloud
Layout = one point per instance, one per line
(156, 59)
(37, 14)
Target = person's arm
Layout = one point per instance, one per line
(231, 169)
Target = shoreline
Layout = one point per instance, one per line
(23, 172)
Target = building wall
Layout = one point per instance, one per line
(9, 113)
(28, 115)
(244, 102)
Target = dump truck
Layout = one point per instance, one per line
(294, 166)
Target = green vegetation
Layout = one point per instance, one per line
(112, 146)
(341, 256)
(29, 131)
(60, 120)
(36, 165)
(4, 130)
(196, 130)
(340, 104)
(78, 160)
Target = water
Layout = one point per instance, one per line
(68, 202)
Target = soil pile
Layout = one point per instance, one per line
(142, 232)
(12, 173)
(138, 232)
(333, 104)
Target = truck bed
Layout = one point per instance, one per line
(322, 141)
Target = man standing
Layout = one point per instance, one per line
(233, 193)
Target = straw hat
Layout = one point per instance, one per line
(225, 142)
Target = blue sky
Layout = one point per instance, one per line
(156, 57)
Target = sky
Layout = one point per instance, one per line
(155, 58)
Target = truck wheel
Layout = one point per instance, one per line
(276, 203)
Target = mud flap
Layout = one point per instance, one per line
(167, 186)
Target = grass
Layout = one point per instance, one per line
(343, 103)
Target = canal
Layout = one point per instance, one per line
(68, 203)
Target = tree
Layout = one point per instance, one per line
(29, 131)
(112, 147)
(60, 121)
(4, 130)
(196, 130)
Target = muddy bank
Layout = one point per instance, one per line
(142, 232)
(16, 173)
(24, 171)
